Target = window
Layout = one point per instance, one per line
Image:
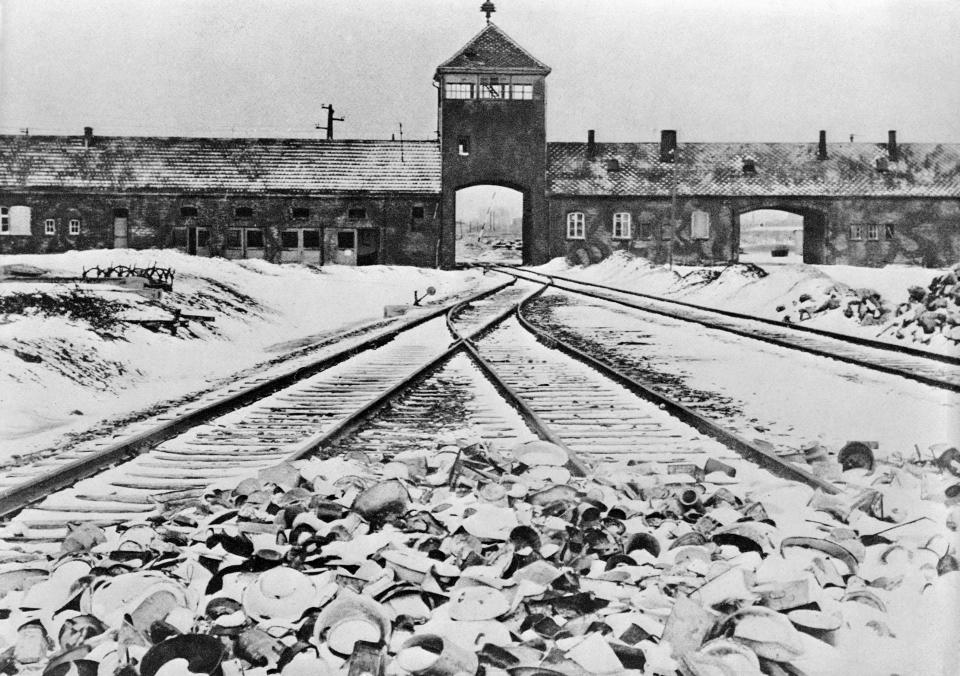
(356, 214)
(523, 92)
(621, 226)
(873, 232)
(666, 231)
(883, 164)
(700, 225)
(575, 225)
(311, 239)
(203, 237)
(888, 231)
(254, 239)
(15, 220)
(74, 226)
(121, 213)
(463, 146)
(50, 227)
(416, 212)
(458, 90)
(233, 239)
(346, 239)
(646, 225)
(180, 237)
(290, 239)
(856, 232)
(301, 212)
(493, 88)
(243, 212)
(190, 212)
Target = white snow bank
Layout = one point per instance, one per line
(84, 375)
(738, 289)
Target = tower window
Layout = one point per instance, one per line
(301, 212)
(243, 212)
(463, 146)
(524, 92)
(575, 225)
(622, 226)
(188, 212)
(356, 214)
(458, 90)
(493, 88)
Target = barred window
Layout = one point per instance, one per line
(856, 232)
(575, 225)
(458, 90)
(622, 226)
(873, 232)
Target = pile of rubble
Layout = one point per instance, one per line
(931, 311)
(464, 560)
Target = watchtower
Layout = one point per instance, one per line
(492, 125)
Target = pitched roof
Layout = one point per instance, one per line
(492, 50)
(219, 164)
(782, 169)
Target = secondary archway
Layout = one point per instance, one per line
(773, 235)
(489, 224)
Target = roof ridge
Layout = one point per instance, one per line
(492, 27)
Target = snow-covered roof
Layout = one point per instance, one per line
(781, 169)
(492, 51)
(219, 164)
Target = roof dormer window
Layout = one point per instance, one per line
(882, 164)
(613, 165)
(749, 166)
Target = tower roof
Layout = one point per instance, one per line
(492, 50)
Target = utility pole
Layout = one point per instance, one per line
(330, 120)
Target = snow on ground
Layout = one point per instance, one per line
(740, 288)
(67, 363)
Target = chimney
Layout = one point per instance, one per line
(87, 137)
(668, 145)
(892, 151)
(822, 148)
(591, 146)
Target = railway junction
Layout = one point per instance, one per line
(509, 480)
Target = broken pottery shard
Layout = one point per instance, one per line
(382, 501)
(687, 626)
(477, 603)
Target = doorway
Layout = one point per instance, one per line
(778, 236)
(120, 228)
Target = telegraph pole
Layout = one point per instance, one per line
(330, 120)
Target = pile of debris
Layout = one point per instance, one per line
(930, 312)
(462, 560)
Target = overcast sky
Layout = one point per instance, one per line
(736, 70)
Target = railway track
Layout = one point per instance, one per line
(521, 384)
(941, 371)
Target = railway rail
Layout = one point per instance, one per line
(936, 370)
(386, 396)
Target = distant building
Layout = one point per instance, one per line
(363, 202)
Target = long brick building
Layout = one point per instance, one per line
(364, 202)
